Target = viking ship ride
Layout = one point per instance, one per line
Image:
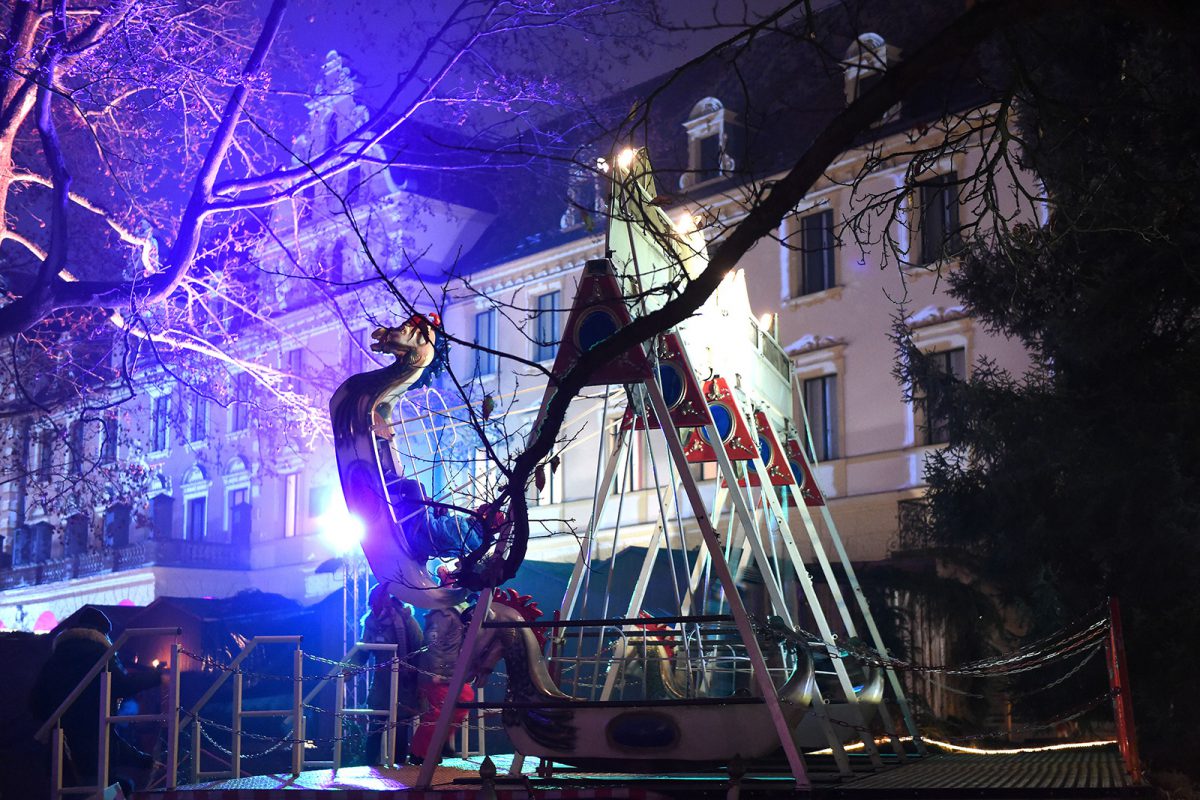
(644, 670)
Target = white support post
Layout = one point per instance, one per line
(235, 745)
(173, 689)
(339, 706)
(102, 751)
(810, 594)
(746, 518)
(196, 736)
(698, 568)
(741, 619)
(459, 677)
(56, 762)
(876, 638)
(639, 589)
(725, 469)
(861, 597)
(298, 710)
(573, 585)
(392, 731)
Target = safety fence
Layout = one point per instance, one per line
(1081, 640)
(245, 746)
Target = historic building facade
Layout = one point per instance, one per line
(240, 490)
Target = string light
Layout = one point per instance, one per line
(979, 751)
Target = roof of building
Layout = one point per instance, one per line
(783, 88)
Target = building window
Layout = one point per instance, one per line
(708, 166)
(638, 462)
(293, 366)
(45, 463)
(938, 218)
(240, 418)
(814, 264)
(291, 496)
(630, 475)
(585, 193)
(161, 422)
(703, 470)
(239, 515)
(820, 404)
(197, 518)
(485, 337)
(546, 334)
(108, 441)
(75, 448)
(934, 428)
(866, 62)
(198, 428)
(712, 130)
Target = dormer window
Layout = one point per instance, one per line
(866, 61)
(711, 130)
(586, 196)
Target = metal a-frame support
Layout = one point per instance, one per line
(751, 541)
(863, 605)
(736, 607)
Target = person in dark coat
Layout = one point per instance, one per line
(75, 651)
(390, 621)
(444, 631)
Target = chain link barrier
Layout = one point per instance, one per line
(1073, 639)
(350, 670)
(1061, 644)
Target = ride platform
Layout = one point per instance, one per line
(1095, 773)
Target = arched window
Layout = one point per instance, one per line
(196, 485)
(162, 506)
(713, 138)
(586, 191)
(866, 61)
(237, 501)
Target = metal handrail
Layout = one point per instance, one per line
(337, 670)
(233, 669)
(338, 675)
(101, 664)
(229, 670)
(101, 669)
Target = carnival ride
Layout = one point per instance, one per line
(720, 377)
(707, 683)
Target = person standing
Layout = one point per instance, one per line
(444, 631)
(75, 651)
(389, 621)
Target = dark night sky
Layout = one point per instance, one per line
(375, 35)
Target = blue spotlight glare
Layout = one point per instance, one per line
(341, 530)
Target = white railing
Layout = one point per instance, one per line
(338, 675)
(471, 742)
(170, 715)
(296, 711)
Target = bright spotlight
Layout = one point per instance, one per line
(341, 530)
(625, 158)
(685, 224)
(766, 320)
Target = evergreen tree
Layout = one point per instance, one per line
(1081, 479)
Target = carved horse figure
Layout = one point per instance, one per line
(401, 534)
(544, 721)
